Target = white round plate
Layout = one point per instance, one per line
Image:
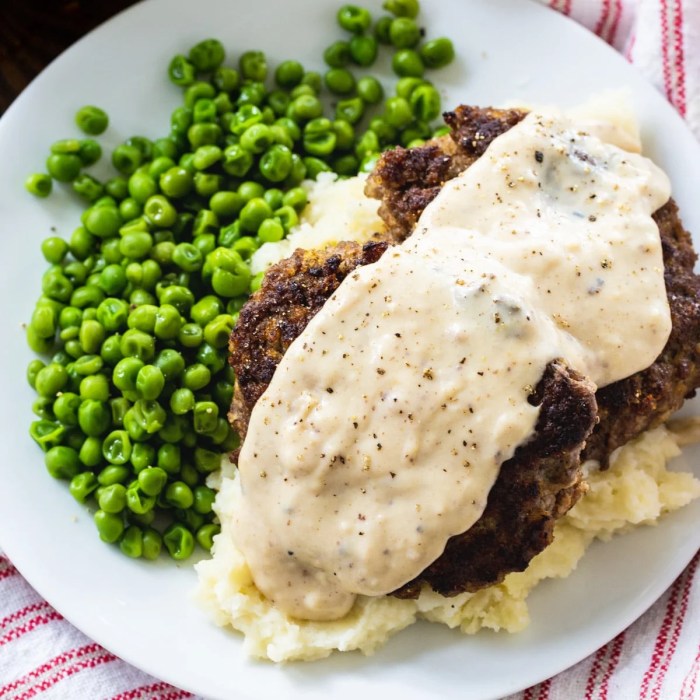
(141, 611)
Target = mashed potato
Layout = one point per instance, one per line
(335, 207)
(637, 489)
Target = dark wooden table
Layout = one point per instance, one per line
(34, 32)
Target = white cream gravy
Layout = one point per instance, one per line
(386, 422)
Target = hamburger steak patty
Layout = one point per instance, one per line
(543, 480)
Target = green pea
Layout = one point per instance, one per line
(370, 90)
(92, 120)
(367, 143)
(207, 55)
(181, 401)
(143, 455)
(137, 344)
(82, 243)
(110, 526)
(54, 249)
(112, 499)
(46, 433)
(402, 8)
(152, 544)
(237, 161)
(179, 495)
(350, 109)
(149, 415)
(57, 286)
(253, 65)
(404, 33)
(44, 321)
(126, 158)
(150, 382)
(437, 53)
(181, 71)
(245, 246)
(90, 452)
(319, 137)
(289, 73)
(346, 165)
(39, 184)
(226, 204)
(425, 103)
(398, 113)
(196, 377)
(143, 318)
(176, 182)
(257, 138)
(223, 393)
(112, 281)
(64, 167)
(363, 49)
(130, 209)
(313, 80)
(337, 55)
(304, 107)
(95, 387)
(116, 447)
(203, 500)
(112, 313)
(91, 336)
(70, 317)
(407, 62)
(82, 486)
(226, 79)
(287, 216)
(136, 244)
(62, 462)
(43, 408)
(296, 198)
(178, 541)
(276, 163)
(169, 458)
(103, 222)
(141, 186)
(339, 81)
(170, 362)
(205, 535)
(131, 542)
(137, 501)
(270, 231)
(206, 156)
(354, 19)
(207, 461)
(50, 380)
(381, 29)
(89, 153)
(94, 417)
(117, 188)
(152, 480)
(33, 368)
(205, 416)
(114, 474)
(167, 322)
(125, 373)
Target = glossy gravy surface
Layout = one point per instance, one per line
(386, 422)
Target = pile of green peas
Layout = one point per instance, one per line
(138, 304)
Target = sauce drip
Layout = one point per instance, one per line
(386, 422)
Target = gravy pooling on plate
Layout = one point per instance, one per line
(386, 422)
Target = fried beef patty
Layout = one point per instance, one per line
(543, 480)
